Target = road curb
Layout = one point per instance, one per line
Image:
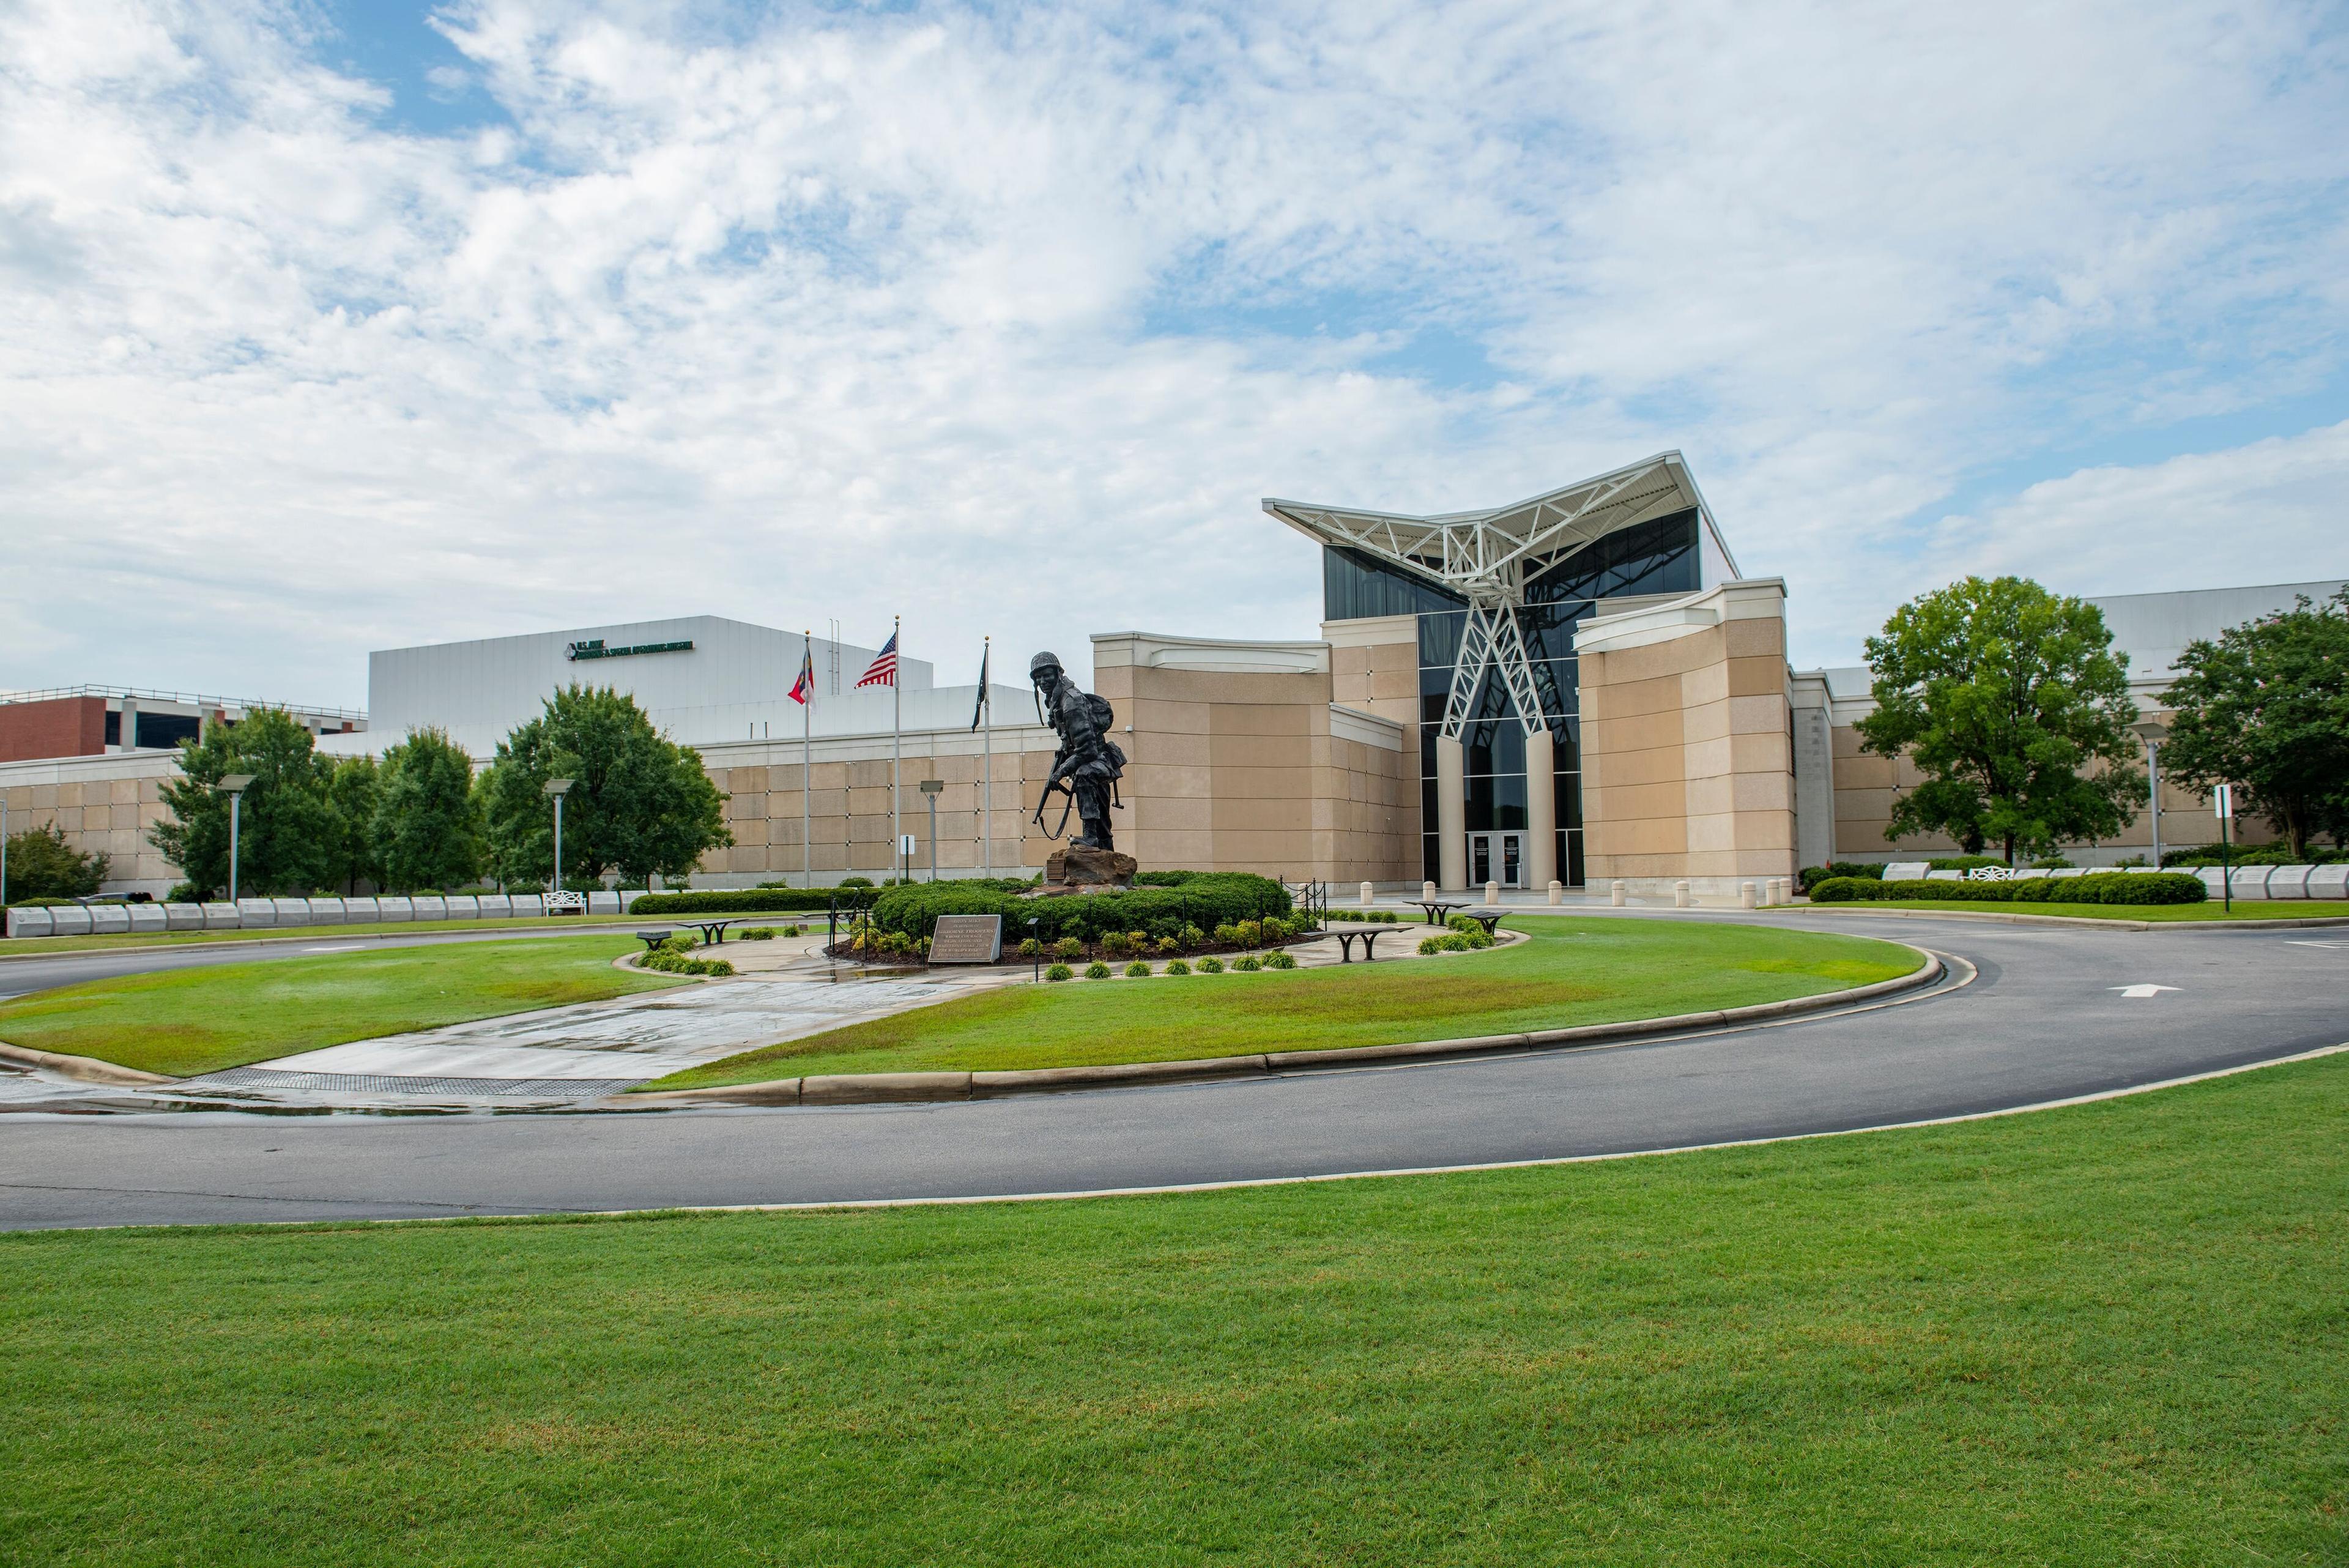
(893, 1088)
(87, 1069)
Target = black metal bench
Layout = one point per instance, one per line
(1368, 936)
(653, 940)
(1488, 920)
(1437, 908)
(713, 932)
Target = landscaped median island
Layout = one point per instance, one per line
(185, 1022)
(2164, 914)
(1569, 971)
(2111, 1334)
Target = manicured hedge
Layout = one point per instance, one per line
(1811, 877)
(1206, 899)
(736, 902)
(2103, 888)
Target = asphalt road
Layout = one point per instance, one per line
(2046, 1016)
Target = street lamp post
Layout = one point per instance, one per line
(233, 785)
(930, 788)
(557, 788)
(2152, 731)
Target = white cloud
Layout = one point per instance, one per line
(2271, 512)
(845, 315)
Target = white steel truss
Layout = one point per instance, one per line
(1491, 638)
(1485, 557)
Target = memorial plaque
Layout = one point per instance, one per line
(966, 939)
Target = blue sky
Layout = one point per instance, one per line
(331, 326)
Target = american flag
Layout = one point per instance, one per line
(884, 672)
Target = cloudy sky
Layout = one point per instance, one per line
(331, 327)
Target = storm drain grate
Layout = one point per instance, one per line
(388, 1084)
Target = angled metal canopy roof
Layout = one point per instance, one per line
(1487, 556)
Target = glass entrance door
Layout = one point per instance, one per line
(1496, 857)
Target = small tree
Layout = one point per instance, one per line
(2005, 696)
(352, 789)
(639, 803)
(2266, 708)
(289, 840)
(427, 824)
(42, 865)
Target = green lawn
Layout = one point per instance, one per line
(1571, 971)
(184, 1021)
(36, 947)
(2246, 910)
(2110, 1334)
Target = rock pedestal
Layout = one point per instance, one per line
(1080, 866)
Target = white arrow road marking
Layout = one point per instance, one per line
(2140, 992)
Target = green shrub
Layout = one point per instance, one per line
(856, 881)
(733, 901)
(1069, 948)
(1428, 945)
(1060, 972)
(1218, 897)
(2251, 855)
(756, 934)
(1117, 944)
(1031, 948)
(1097, 971)
(1168, 945)
(1811, 877)
(1138, 941)
(1463, 924)
(1228, 934)
(1963, 863)
(1211, 966)
(1178, 966)
(1137, 970)
(2097, 887)
(1281, 961)
(1192, 937)
(1246, 964)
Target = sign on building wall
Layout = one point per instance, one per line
(596, 649)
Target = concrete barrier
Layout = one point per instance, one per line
(395, 910)
(222, 918)
(1907, 871)
(2328, 882)
(289, 911)
(2250, 881)
(2289, 881)
(528, 905)
(183, 917)
(463, 907)
(70, 921)
(147, 916)
(110, 921)
(495, 906)
(32, 923)
(328, 912)
(604, 904)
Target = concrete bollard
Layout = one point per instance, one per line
(1366, 894)
(1782, 891)
(1492, 894)
(1745, 898)
(1617, 894)
(1427, 889)
(1681, 896)
(1557, 891)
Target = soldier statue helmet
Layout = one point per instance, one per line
(1089, 763)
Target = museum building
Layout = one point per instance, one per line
(1579, 687)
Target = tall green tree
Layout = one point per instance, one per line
(42, 865)
(639, 804)
(290, 839)
(2266, 708)
(352, 789)
(2010, 701)
(428, 826)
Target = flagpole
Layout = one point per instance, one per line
(807, 760)
(897, 729)
(987, 771)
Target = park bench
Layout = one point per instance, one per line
(1437, 909)
(1368, 936)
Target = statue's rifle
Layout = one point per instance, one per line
(1045, 799)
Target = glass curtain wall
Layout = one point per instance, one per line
(1655, 558)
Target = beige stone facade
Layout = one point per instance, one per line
(1688, 764)
(104, 805)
